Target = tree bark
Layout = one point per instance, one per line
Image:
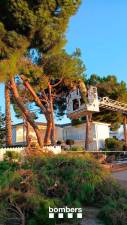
(53, 131)
(88, 131)
(34, 95)
(25, 112)
(46, 111)
(27, 127)
(47, 139)
(50, 135)
(8, 116)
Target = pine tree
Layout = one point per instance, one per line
(49, 87)
(2, 130)
(8, 116)
(31, 24)
(109, 86)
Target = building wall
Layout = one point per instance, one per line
(59, 133)
(19, 133)
(119, 133)
(102, 133)
(99, 133)
(14, 135)
(77, 133)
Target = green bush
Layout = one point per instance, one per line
(60, 176)
(113, 200)
(54, 181)
(12, 156)
(76, 148)
(114, 212)
(70, 142)
(59, 142)
(112, 144)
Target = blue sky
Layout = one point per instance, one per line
(99, 30)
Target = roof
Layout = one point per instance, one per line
(62, 125)
(38, 123)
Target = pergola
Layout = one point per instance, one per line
(103, 103)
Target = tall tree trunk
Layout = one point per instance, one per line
(8, 116)
(34, 95)
(45, 111)
(89, 137)
(50, 135)
(27, 128)
(53, 132)
(47, 138)
(25, 112)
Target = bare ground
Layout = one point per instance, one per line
(121, 176)
(89, 217)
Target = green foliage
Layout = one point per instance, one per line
(41, 23)
(63, 65)
(56, 181)
(114, 205)
(113, 144)
(109, 86)
(68, 69)
(2, 130)
(76, 148)
(78, 121)
(12, 156)
(114, 212)
(10, 67)
(66, 174)
(26, 24)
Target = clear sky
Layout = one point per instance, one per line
(99, 29)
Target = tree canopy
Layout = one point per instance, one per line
(40, 24)
(109, 86)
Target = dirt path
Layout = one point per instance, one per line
(121, 176)
(89, 217)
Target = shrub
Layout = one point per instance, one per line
(55, 181)
(113, 144)
(70, 142)
(59, 142)
(114, 212)
(12, 156)
(63, 177)
(76, 148)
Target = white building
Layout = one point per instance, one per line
(19, 133)
(99, 132)
(118, 134)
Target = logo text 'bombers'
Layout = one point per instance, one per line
(62, 212)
